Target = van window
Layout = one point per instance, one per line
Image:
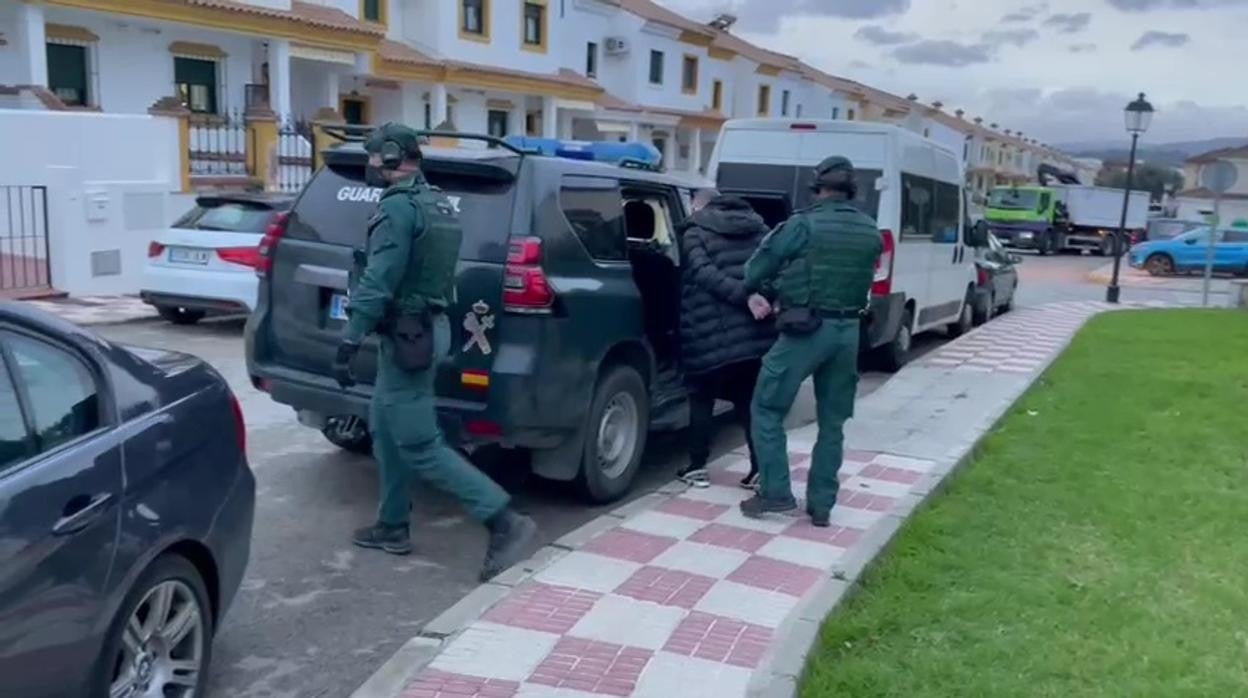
(929, 210)
(336, 205)
(594, 209)
(776, 190)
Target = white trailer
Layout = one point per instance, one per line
(1093, 215)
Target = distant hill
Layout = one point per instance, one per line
(1163, 154)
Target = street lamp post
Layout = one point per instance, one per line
(1138, 115)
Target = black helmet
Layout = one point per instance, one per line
(836, 173)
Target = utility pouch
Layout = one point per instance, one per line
(798, 321)
(413, 342)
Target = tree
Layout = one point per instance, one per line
(1150, 178)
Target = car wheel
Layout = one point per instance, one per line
(160, 642)
(1159, 265)
(991, 310)
(966, 320)
(896, 353)
(180, 316)
(348, 433)
(615, 437)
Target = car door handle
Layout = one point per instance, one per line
(79, 512)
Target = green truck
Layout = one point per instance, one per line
(1067, 215)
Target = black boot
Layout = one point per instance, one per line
(758, 505)
(396, 540)
(819, 519)
(510, 535)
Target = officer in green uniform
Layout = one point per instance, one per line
(402, 294)
(817, 270)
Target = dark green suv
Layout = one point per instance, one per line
(566, 319)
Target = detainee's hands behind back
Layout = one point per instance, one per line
(759, 307)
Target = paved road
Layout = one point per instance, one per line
(316, 617)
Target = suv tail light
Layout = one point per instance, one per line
(981, 276)
(155, 249)
(246, 256)
(268, 244)
(240, 425)
(883, 283)
(525, 287)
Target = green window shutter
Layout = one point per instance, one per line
(67, 73)
(194, 71)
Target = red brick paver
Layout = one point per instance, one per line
(890, 474)
(726, 536)
(840, 536)
(666, 587)
(624, 544)
(693, 509)
(775, 575)
(720, 639)
(863, 500)
(594, 667)
(440, 684)
(544, 607)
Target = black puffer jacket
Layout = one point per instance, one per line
(716, 327)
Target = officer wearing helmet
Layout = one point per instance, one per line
(814, 272)
(401, 293)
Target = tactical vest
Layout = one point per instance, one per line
(429, 283)
(836, 271)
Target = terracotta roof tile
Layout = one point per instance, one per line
(302, 12)
(402, 53)
(657, 13)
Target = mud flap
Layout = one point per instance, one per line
(563, 462)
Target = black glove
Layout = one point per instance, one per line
(342, 363)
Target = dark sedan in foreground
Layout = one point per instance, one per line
(126, 507)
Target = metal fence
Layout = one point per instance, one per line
(295, 145)
(218, 145)
(24, 238)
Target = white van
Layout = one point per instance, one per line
(912, 186)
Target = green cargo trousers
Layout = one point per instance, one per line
(830, 355)
(407, 441)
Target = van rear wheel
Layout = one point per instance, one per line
(896, 353)
(615, 436)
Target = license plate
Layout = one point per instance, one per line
(337, 307)
(185, 255)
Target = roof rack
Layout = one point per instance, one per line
(353, 133)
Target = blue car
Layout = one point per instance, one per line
(1187, 252)
(126, 506)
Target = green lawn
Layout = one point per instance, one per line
(1096, 546)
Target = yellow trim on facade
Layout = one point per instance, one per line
(696, 70)
(482, 78)
(192, 49)
(696, 38)
(383, 9)
(768, 70)
(500, 104)
(545, 28)
(486, 15)
(66, 32)
(721, 54)
(228, 20)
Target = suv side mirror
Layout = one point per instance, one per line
(977, 235)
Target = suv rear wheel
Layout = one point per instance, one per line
(180, 316)
(615, 436)
(895, 354)
(348, 433)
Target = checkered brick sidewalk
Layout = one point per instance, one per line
(1023, 341)
(96, 310)
(680, 600)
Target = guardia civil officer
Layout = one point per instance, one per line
(401, 294)
(820, 263)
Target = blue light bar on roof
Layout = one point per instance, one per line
(603, 151)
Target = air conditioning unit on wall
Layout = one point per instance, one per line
(617, 46)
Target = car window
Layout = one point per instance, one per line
(336, 205)
(929, 210)
(1235, 235)
(594, 208)
(14, 439)
(63, 399)
(234, 217)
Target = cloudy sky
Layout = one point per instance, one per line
(1060, 70)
